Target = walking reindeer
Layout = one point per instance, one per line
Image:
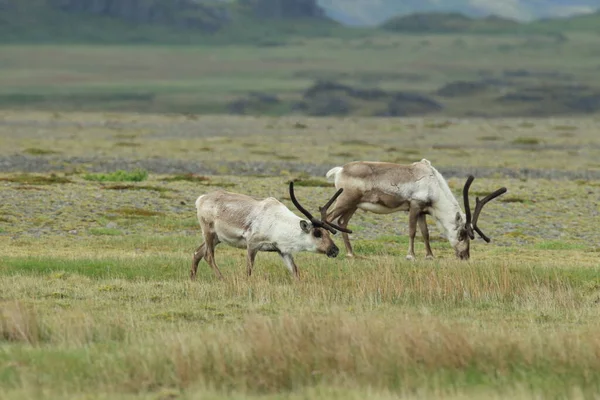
(261, 225)
(418, 188)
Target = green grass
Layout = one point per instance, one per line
(118, 176)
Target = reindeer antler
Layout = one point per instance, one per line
(471, 224)
(323, 223)
(468, 207)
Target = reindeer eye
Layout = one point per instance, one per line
(317, 233)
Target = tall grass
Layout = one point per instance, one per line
(436, 328)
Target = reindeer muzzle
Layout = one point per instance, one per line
(333, 251)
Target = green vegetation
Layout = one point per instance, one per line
(137, 175)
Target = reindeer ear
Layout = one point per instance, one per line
(305, 226)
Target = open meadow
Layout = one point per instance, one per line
(96, 301)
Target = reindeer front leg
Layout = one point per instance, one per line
(343, 217)
(413, 217)
(250, 256)
(425, 233)
(290, 264)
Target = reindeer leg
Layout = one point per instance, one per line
(209, 254)
(250, 259)
(198, 255)
(413, 216)
(290, 264)
(425, 233)
(344, 217)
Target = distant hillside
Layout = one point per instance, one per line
(588, 22)
(160, 21)
(448, 23)
(437, 22)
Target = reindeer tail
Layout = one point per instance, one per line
(332, 173)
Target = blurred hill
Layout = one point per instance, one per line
(451, 22)
(261, 22)
(375, 12)
(159, 21)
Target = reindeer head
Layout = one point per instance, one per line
(318, 230)
(467, 228)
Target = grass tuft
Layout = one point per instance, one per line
(137, 175)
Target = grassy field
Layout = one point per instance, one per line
(206, 79)
(95, 299)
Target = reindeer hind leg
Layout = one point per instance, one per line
(211, 241)
(425, 233)
(413, 217)
(198, 255)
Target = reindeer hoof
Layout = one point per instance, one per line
(410, 257)
(429, 257)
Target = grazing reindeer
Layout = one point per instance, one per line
(261, 225)
(418, 188)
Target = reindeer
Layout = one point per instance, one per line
(261, 225)
(418, 188)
